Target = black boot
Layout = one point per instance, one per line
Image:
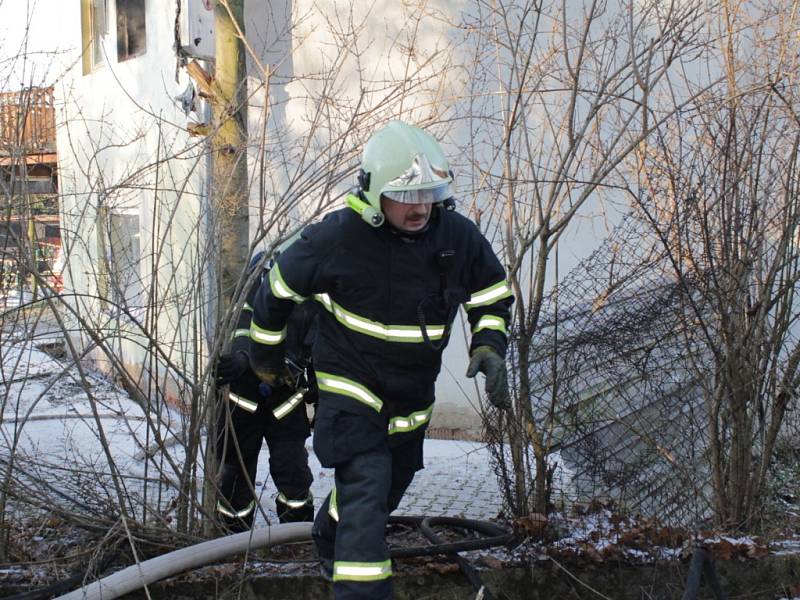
(295, 511)
(322, 544)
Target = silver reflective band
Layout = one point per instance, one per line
(265, 336)
(243, 402)
(288, 406)
(240, 333)
(420, 175)
(279, 287)
(489, 295)
(236, 514)
(426, 196)
(333, 510)
(411, 422)
(347, 387)
(491, 322)
(361, 571)
(390, 333)
(294, 503)
(247, 307)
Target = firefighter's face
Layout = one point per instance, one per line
(406, 217)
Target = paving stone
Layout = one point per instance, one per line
(457, 480)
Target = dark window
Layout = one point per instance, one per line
(131, 36)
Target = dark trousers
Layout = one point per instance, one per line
(241, 435)
(372, 472)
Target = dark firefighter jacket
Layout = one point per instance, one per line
(388, 302)
(245, 392)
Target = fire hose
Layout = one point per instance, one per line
(147, 572)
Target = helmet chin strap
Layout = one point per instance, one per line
(355, 200)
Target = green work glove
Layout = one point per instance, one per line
(491, 364)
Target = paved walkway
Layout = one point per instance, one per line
(457, 481)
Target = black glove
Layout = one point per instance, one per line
(231, 367)
(491, 364)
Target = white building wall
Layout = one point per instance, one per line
(326, 62)
(123, 146)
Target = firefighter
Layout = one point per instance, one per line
(390, 272)
(257, 411)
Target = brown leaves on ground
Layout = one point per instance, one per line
(443, 568)
(533, 526)
(727, 548)
(490, 562)
(647, 534)
(597, 534)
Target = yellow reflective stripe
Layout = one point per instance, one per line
(389, 333)
(491, 322)
(333, 509)
(361, 571)
(325, 300)
(411, 422)
(489, 295)
(279, 287)
(243, 402)
(347, 387)
(265, 336)
(236, 514)
(294, 503)
(247, 307)
(240, 333)
(288, 406)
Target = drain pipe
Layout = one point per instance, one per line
(139, 575)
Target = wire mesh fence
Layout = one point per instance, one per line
(624, 375)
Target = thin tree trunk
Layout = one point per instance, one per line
(229, 186)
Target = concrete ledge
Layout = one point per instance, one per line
(768, 578)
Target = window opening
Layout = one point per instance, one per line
(131, 35)
(125, 254)
(94, 25)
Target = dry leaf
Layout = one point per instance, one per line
(532, 525)
(491, 562)
(444, 568)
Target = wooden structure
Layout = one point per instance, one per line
(27, 127)
(28, 185)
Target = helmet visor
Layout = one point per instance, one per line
(427, 196)
(421, 183)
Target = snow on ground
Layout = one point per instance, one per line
(50, 422)
(788, 546)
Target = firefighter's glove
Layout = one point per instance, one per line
(492, 365)
(231, 367)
